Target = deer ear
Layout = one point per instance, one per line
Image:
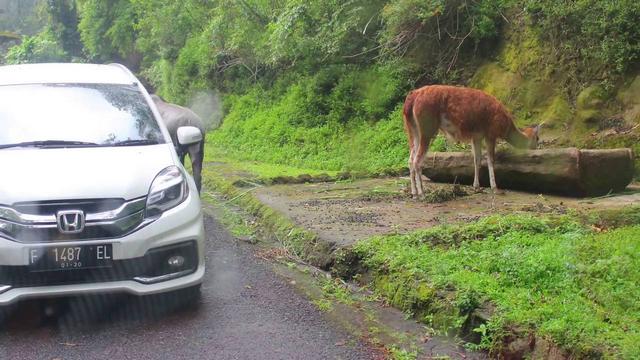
(536, 129)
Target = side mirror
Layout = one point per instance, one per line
(188, 135)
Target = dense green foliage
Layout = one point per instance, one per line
(324, 79)
(106, 28)
(63, 23)
(593, 39)
(301, 127)
(43, 47)
(551, 277)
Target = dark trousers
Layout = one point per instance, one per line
(196, 154)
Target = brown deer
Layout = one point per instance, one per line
(465, 115)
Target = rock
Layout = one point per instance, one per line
(630, 98)
(590, 103)
(630, 95)
(589, 116)
(593, 97)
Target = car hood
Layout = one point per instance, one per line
(40, 174)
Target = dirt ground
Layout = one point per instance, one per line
(344, 212)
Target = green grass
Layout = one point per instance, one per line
(323, 304)
(214, 153)
(333, 120)
(236, 223)
(551, 277)
(396, 353)
(333, 289)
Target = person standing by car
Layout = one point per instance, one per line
(175, 116)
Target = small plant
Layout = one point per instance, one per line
(323, 305)
(335, 289)
(444, 194)
(397, 353)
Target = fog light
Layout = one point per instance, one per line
(176, 261)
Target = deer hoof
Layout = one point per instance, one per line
(498, 192)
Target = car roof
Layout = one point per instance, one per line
(58, 73)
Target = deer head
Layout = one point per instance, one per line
(533, 134)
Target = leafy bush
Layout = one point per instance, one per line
(42, 47)
(436, 34)
(154, 38)
(106, 28)
(596, 38)
(342, 118)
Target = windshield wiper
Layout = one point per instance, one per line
(49, 143)
(136, 142)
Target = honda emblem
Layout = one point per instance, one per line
(70, 221)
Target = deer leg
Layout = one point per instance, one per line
(414, 140)
(476, 146)
(414, 187)
(412, 171)
(491, 152)
(427, 129)
(417, 161)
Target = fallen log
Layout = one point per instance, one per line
(568, 171)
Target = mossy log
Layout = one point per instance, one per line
(569, 171)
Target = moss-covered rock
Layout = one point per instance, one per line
(590, 117)
(629, 97)
(591, 98)
(591, 104)
(520, 50)
(495, 80)
(558, 114)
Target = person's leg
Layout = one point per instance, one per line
(182, 153)
(196, 154)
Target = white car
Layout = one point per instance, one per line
(93, 198)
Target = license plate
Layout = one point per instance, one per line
(70, 257)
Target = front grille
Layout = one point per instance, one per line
(36, 222)
(151, 265)
(51, 207)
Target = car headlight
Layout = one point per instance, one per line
(6, 228)
(167, 191)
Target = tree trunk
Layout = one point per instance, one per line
(569, 171)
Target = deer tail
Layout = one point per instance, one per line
(407, 115)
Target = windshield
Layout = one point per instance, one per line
(78, 114)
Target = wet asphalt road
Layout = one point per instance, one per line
(246, 312)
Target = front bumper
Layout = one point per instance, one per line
(180, 225)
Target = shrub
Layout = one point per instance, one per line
(596, 38)
(42, 47)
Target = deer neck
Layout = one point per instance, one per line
(517, 139)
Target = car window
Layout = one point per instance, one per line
(101, 114)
